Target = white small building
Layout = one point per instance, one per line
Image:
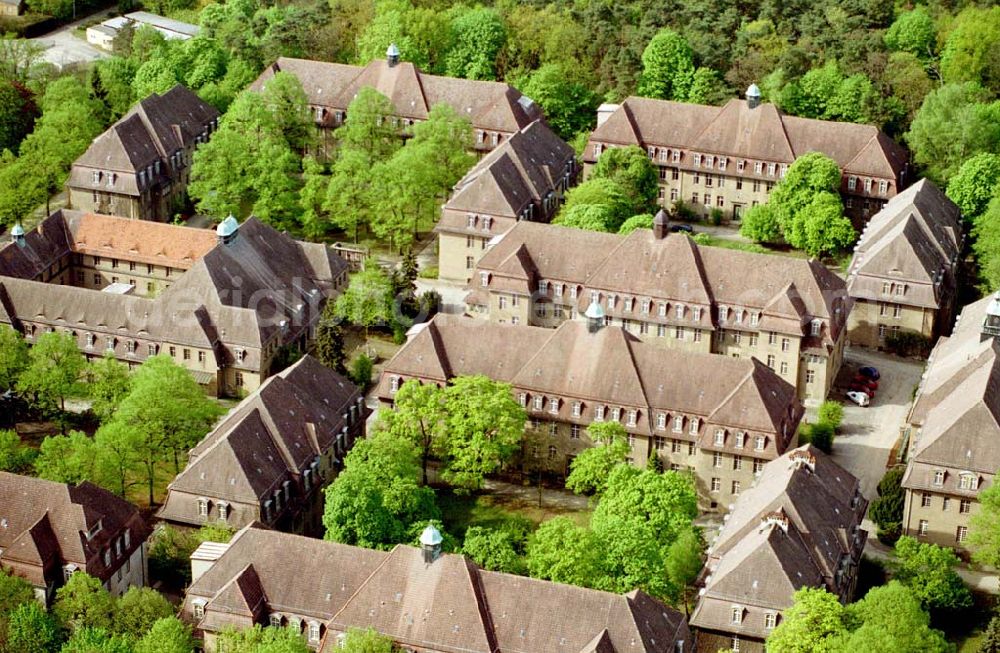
(103, 35)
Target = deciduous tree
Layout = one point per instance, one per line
(54, 369)
(368, 300)
(262, 640)
(367, 641)
(975, 184)
(592, 467)
(167, 635)
(13, 357)
(928, 570)
(108, 383)
(84, 603)
(810, 625)
(418, 415)
(478, 35)
(564, 552)
(492, 549)
(71, 458)
(667, 67)
(30, 629)
(484, 424)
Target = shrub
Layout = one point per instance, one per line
(820, 435)
(832, 413)
(361, 370)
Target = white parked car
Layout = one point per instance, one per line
(858, 397)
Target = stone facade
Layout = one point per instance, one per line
(139, 168)
(524, 178)
(303, 420)
(798, 526)
(221, 306)
(730, 157)
(903, 277)
(721, 418)
(953, 430)
(52, 530)
(788, 313)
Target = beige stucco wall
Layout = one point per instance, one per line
(866, 317)
(942, 523)
(454, 250)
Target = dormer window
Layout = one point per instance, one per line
(240, 355)
(693, 426)
(815, 327)
(558, 289)
(645, 306)
(107, 557)
(90, 340)
(616, 414)
(633, 416)
(758, 167)
(598, 148)
(393, 384)
(484, 278)
(759, 443)
(737, 615)
(770, 620)
(868, 185)
(599, 414)
(487, 221)
(97, 176)
(722, 162)
(539, 402)
(696, 314)
(678, 423)
(628, 304)
(754, 318)
(661, 421)
(198, 606)
(522, 399)
(723, 313)
(883, 187)
(709, 161)
(784, 170)
(112, 178)
(223, 511)
(697, 159)
(314, 626)
(679, 311)
(572, 292)
(275, 620)
(676, 156)
(771, 169)
(543, 287)
(740, 165)
(852, 183)
(577, 408)
(554, 406)
(720, 437)
(968, 482)
(471, 217)
(202, 507)
(740, 437)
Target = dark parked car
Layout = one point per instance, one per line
(870, 372)
(868, 381)
(686, 228)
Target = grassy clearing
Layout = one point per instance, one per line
(495, 509)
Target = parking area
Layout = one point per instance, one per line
(868, 435)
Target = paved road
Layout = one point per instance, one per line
(867, 435)
(63, 48)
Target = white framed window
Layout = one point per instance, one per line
(770, 620)
(717, 459)
(554, 406)
(678, 423)
(961, 533)
(758, 167)
(539, 402)
(716, 484)
(577, 408)
(661, 309)
(759, 443)
(314, 626)
(740, 165)
(737, 615)
(679, 311)
(697, 159)
(393, 383)
(852, 183)
(198, 605)
(720, 437)
(522, 398)
(484, 278)
(223, 511)
(883, 187)
(693, 426)
(599, 414)
(922, 527)
(633, 416)
(661, 421)
(968, 482)
(275, 620)
(543, 287)
(202, 507)
(868, 185)
(645, 306)
(616, 414)
(723, 313)
(738, 441)
(939, 477)
(771, 168)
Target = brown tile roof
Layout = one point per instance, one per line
(523, 169)
(44, 525)
(237, 294)
(915, 239)
(492, 106)
(611, 367)
(449, 605)
(793, 528)
(153, 130)
(788, 292)
(763, 133)
(958, 406)
(271, 437)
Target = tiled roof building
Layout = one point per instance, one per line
(524, 178)
(730, 157)
(496, 110)
(50, 530)
(666, 289)
(425, 601)
(269, 459)
(721, 417)
(954, 428)
(221, 305)
(798, 526)
(139, 168)
(903, 275)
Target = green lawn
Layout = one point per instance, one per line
(490, 510)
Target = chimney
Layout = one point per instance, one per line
(604, 112)
(430, 543)
(17, 234)
(991, 323)
(392, 55)
(661, 225)
(753, 96)
(595, 317)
